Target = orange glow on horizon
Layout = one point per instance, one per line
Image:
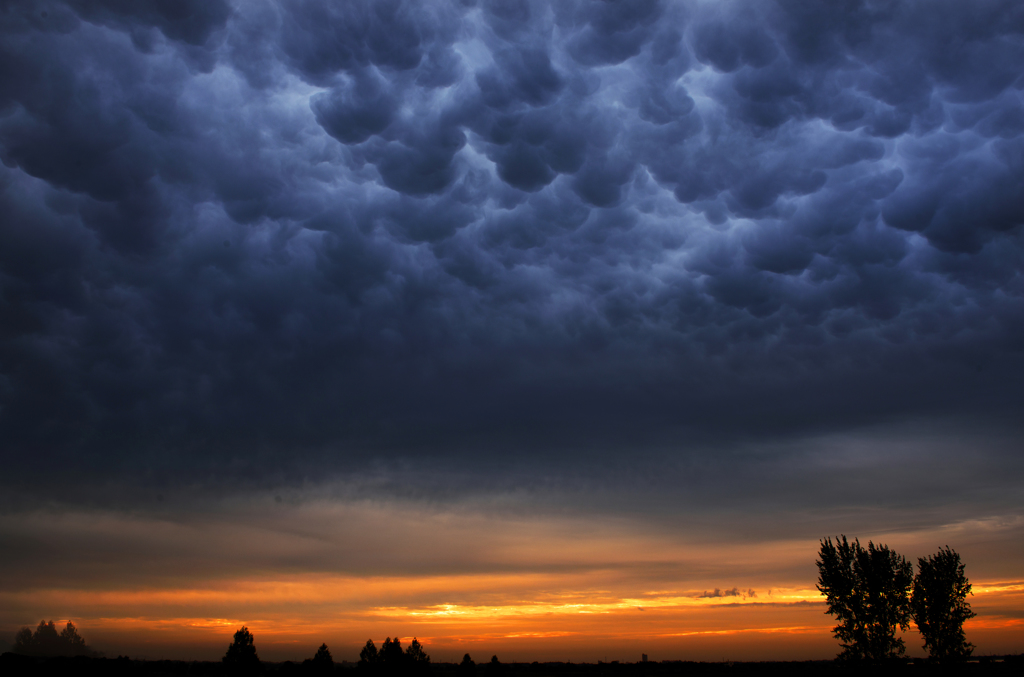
(299, 610)
(528, 587)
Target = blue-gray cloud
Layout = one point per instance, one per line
(247, 237)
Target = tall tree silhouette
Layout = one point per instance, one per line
(467, 667)
(867, 590)
(241, 657)
(368, 657)
(940, 605)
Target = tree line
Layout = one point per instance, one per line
(390, 659)
(241, 657)
(873, 591)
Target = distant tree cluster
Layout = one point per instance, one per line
(873, 591)
(46, 641)
(241, 658)
(390, 659)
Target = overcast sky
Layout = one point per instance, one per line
(749, 267)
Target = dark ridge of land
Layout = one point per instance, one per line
(14, 665)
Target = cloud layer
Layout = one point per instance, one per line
(271, 238)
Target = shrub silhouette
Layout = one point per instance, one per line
(867, 590)
(241, 657)
(940, 606)
(46, 641)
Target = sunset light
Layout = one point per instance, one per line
(511, 338)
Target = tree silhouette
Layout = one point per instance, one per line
(23, 642)
(867, 590)
(417, 659)
(241, 657)
(368, 657)
(322, 663)
(391, 655)
(940, 605)
(46, 641)
(70, 638)
(323, 656)
(467, 666)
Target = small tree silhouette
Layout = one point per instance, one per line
(241, 657)
(940, 606)
(467, 666)
(867, 590)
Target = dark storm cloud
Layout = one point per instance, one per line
(268, 236)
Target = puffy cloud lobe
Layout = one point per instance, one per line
(354, 112)
(611, 32)
(190, 21)
(966, 200)
(324, 226)
(727, 47)
(322, 39)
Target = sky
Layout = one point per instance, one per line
(551, 330)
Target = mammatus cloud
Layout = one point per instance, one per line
(245, 238)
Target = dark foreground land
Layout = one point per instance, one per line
(12, 665)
